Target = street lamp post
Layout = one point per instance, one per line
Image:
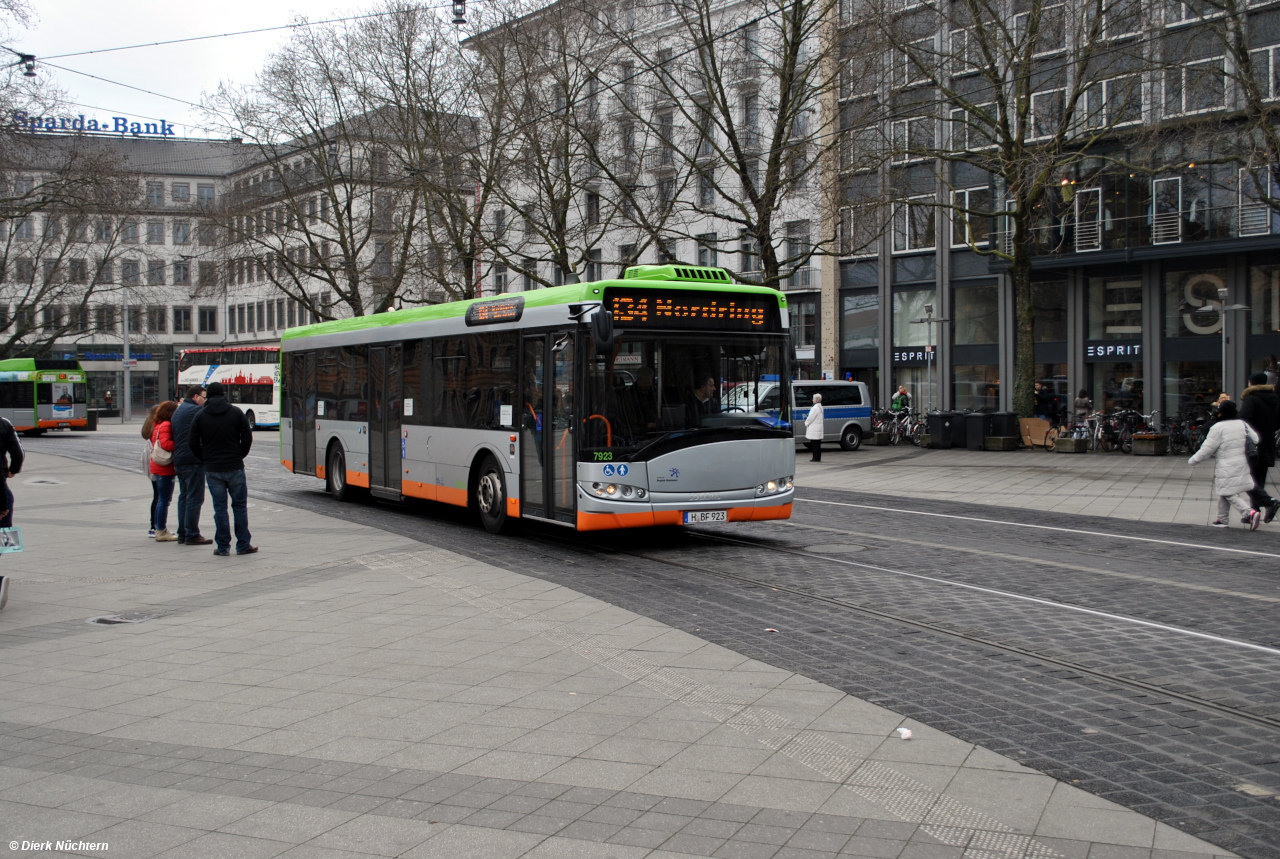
(1226, 340)
(928, 321)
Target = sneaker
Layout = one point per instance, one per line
(1255, 519)
(198, 541)
(164, 535)
(222, 553)
(4, 590)
(152, 533)
(248, 551)
(1218, 523)
(1272, 509)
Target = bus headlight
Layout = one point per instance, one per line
(772, 486)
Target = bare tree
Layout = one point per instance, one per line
(992, 109)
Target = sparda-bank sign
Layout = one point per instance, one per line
(23, 121)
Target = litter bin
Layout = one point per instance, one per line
(977, 426)
(942, 430)
(1005, 424)
(92, 419)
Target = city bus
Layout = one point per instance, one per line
(250, 376)
(38, 394)
(593, 406)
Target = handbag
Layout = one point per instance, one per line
(160, 456)
(1250, 447)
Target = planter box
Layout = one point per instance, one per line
(1150, 444)
(1071, 445)
(880, 438)
(1000, 442)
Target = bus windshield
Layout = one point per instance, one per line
(659, 387)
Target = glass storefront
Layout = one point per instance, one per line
(1264, 299)
(1115, 308)
(1116, 385)
(976, 311)
(909, 304)
(861, 320)
(1191, 304)
(921, 383)
(1050, 300)
(976, 387)
(1190, 387)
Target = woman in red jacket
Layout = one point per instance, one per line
(165, 475)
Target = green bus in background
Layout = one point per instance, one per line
(37, 394)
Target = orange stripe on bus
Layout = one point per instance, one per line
(513, 507)
(287, 463)
(358, 478)
(320, 471)
(415, 489)
(452, 495)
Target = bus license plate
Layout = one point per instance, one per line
(696, 517)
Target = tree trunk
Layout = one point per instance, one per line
(1024, 357)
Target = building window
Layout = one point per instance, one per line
(1047, 111)
(1115, 309)
(1050, 33)
(280, 312)
(1194, 87)
(155, 194)
(204, 195)
(262, 317)
(182, 273)
(909, 304)
(707, 253)
(236, 323)
(914, 66)
(208, 320)
(970, 218)
(105, 271)
(913, 225)
(1113, 102)
(971, 129)
(860, 323)
(129, 272)
(293, 313)
(24, 229)
(182, 320)
(155, 232)
(182, 232)
(78, 271)
(157, 318)
(529, 270)
(499, 279)
(1191, 304)
(749, 251)
(105, 317)
(976, 311)
(155, 272)
(129, 232)
(181, 192)
(1049, 297)
(706, 188)
(593, 208)
(271, 316)
(976, 387)
(804, 323)
(595, 268)
(798, 254)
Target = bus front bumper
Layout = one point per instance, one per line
(601, 514)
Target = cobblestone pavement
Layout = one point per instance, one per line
(1172, 761)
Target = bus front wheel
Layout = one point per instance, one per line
(253, 420)
(335, 475)
(491, 497)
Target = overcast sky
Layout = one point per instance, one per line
(181, 71)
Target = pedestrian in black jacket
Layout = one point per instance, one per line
(9, 449)
(1260, 409)
(190, 470)
(220, 439)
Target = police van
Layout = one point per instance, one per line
(846, 408)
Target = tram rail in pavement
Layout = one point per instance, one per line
(354, 690)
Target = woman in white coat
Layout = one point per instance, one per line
(813, 428)
(1232, 478)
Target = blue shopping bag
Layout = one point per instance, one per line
(10, 540)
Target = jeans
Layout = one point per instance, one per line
(190, 500)
(164, 494)
(222, 484)
(155, 499)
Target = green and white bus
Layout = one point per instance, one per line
(595, 405)
(38, 394)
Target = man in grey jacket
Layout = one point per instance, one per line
(190, 470)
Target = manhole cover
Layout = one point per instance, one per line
(127, 617)
(42, 481)
(836, 548)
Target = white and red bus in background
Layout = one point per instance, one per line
(250, 376)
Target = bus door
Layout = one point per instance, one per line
(386, 369)
(302, 408)
(548, 438)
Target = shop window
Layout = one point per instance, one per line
(976, 387)
(1191, 304)
(1191, 387)
(1116, 385)
(909, 304)
(1264, 298)
(860, 322)
(920, 382)
(1115, 309)
(976, 312)
(1049, 298)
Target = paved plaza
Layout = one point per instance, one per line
(350, 692)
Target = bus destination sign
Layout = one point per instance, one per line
(508, 309)
(652, 308)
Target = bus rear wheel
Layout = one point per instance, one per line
(491, 497)
(335, 475)
(253, 420)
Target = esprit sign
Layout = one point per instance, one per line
(24, 121)
(914, 356)
(1101, 352)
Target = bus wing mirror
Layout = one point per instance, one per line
(602, 331)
